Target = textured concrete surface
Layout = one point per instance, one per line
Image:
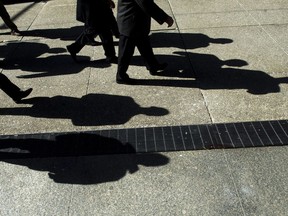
(227, 63)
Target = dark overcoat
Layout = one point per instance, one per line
(134, 17)
(94, 13)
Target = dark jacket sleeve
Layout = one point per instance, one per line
(153, 10)
(134, 17)
(94, 13)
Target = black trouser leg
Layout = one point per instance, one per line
(144, 46)
(8, 87)
(78, 44)
(107, 43)
(6, 17)
(125, 53)
(87, 35)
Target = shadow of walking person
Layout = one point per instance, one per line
(55, 33)
(211, 74)
(90, 110)
(105, 168)
(185, 40)
(43, 61)
(178, 64)
(63, 157)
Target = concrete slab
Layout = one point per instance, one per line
(23, 14)
(270, 17)
(155, 190)
(277, 33)
(196, 7)
(45, 18)
(266, 4)
(200, 182)
(240, 98)
(25, 191)
(259, 175)
(214, 20)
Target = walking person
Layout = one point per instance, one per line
(7, 20)
(134, 23)
(98, 19)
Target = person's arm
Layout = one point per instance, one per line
(111, 3)
(154, 11)
(169, 21)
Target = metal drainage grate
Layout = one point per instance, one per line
(140, 140)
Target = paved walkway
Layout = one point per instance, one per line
(69, 149)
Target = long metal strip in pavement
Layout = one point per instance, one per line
(144, 140)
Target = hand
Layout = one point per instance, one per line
(111, 3)
(169, 21)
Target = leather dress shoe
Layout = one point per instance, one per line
(125, 79)
(153, 70)
(22, 94)
(72, 53)
(15, 32)
(92, 43)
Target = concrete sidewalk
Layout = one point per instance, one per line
(227, 64)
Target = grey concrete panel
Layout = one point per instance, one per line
(270, 17)
(265, 4)
(231, 105)
(26, 189)
(206, 35)
(210, 6)
(261, 179)
(23, 14)
(278, 33)
(192, 184)
(260, 84)
(45, 17)
(214, 20)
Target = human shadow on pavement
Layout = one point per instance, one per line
(184, 40)
(65, 34)
(65, 157)
(214, 73)
(205, 71)
(210, 72)
(89, 110)
(44, 61)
